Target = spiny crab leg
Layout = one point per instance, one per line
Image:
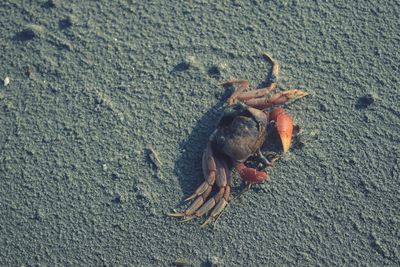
(256, 93)
(243, 86)
(221, 199)
(220, 175)
(242, 93)
(277, 99)
(204, 190)
(209, 172)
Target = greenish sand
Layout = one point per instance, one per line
(95, 84)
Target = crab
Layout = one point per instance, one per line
(242, 130)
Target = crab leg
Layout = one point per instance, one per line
(256, 93)
(221, 199)
(209, 171)
(216, 171)
(241, 93)
(204, 190)
(216, 204)
(243, 85)
(275, 67)
(277, 99)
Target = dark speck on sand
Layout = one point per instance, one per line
(113, 78)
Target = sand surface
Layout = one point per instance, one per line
(93, 85)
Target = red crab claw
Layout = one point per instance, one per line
(284, 126)
(251, 175)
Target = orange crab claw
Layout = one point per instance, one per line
(284, 126)
(250, 174)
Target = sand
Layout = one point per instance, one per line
(94, 85)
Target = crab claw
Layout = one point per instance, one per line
(250, 174)
(284, 126)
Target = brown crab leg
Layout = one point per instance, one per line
(216, 203)
(277, 99)
(197, 203)
(243, 85)
(256, 93)
(209, 171)
(221, 182)
(221, 199)
(204, 190)
(275, 67)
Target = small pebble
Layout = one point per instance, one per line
(28, 71)
(6, 81)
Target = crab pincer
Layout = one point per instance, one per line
(251, 175)
(283, 125)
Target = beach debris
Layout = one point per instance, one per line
(154, 158)
(247, 123)
(6, 81)
(182, 262)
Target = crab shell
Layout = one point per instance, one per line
(240, 132)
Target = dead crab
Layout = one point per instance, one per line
(240, 133)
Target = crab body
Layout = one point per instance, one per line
(241, 132)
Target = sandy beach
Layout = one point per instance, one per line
(106, 108)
